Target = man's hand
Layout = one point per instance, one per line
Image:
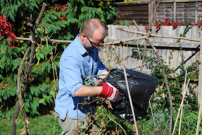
(108, 91)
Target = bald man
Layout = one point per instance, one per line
(79, 61)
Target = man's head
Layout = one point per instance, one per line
(92, 34)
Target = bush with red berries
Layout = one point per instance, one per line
(7, 31)
(61, 8)
(158, 23)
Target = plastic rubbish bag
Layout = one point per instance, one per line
(141, 87)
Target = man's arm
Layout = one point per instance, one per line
(106, 90)
(85, 91)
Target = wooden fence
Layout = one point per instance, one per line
(183, 11)
(166, 47)
(114, 56)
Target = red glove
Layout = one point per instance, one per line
(108, 91)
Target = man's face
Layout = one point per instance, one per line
(94, 41)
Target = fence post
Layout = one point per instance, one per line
(174, 10)
(200, 74)
(151, 10)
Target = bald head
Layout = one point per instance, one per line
(92, 25)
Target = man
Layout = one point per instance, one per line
(79, 61)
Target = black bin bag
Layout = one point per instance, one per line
(141, 87)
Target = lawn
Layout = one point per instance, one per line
(40, 125)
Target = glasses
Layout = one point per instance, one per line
(93, 44)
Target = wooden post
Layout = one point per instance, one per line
(200, 75)
(174, 11)
(196, 12)
(151, 10)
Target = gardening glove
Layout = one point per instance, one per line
(108, 91)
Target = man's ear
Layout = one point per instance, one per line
(82, 36)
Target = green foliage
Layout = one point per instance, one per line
(188, 27)
(122, 22)
(175, 80)
(61, 21)
(54, 26)
(39, 97)
(40, 125)
(9, 57)
(11, 9)
(83, 9)
(41, 87)
(158, 123)
(17, 11)
(9, 62)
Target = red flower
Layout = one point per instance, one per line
(167, 23)
(158, 26)
(174, 25)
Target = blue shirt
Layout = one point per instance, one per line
(76, 63)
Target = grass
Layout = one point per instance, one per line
(40, 125)
(158, 123)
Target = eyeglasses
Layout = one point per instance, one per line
(93, 44)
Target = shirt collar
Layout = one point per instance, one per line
(81, 48)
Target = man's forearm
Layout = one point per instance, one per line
(104, 74)
(85, 91)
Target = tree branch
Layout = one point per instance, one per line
(19, 103)
(22, 88)
(40, 14)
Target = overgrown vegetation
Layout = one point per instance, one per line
(158, 117)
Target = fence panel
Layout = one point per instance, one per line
(170, 51)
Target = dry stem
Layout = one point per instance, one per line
(131, 104)
(185, 87)
(181, 105)
(199, 118)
